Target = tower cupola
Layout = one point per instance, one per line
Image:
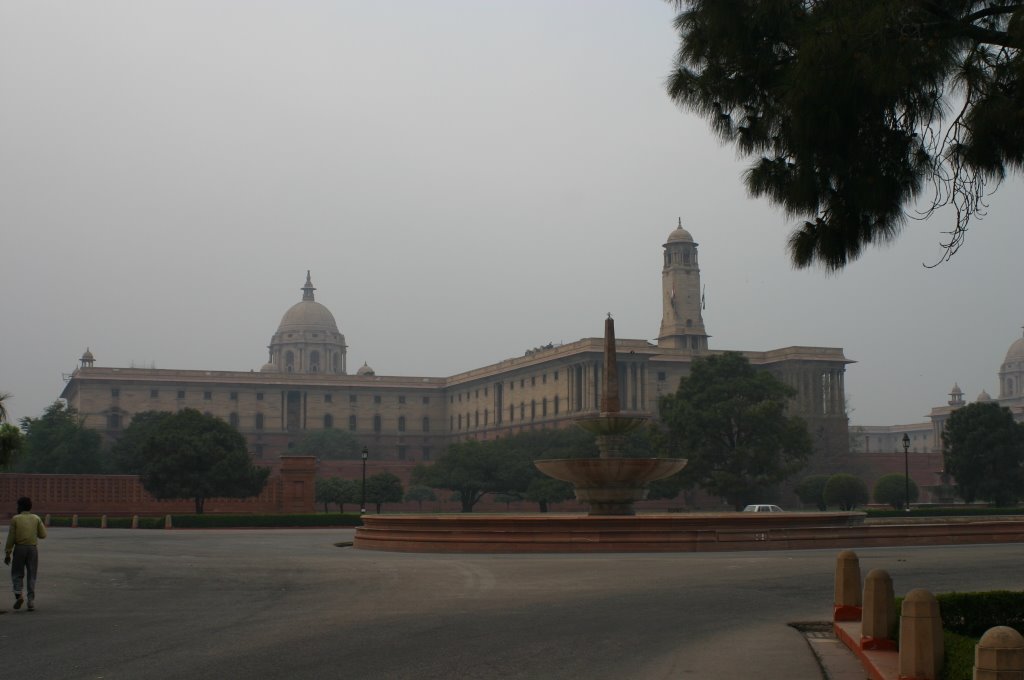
(682, 324)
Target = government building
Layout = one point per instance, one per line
(306, 384)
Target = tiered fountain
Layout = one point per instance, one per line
(610, 484)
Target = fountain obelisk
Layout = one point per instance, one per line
(610, 484)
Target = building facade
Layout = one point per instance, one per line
(305, 384)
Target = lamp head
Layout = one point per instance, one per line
(365, 453)
(906, 441)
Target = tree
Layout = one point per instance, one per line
(384, 487)
(58, 443)
(11, 442)
(191, 455)
(328, 443)
(983, 449)
(846, 491)
(336, 490)
(473, 469)
(811, 491)
(126, 453)
(545, 490)
(845, 105)
(417, 494)
(729, 420)
(892, 490)
(4, 398)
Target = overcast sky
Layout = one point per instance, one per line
(466, 180)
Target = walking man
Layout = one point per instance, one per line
(25, 531)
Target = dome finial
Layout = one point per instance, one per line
(680, 222)
(307, 290)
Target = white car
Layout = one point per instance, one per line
(763, 508)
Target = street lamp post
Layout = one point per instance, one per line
(362, 504)
(906, 470)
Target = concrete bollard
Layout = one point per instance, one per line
(135, 521)
(46, 520)
(103, 521)
(920, 636)
(999, 655)
(167, 522)
(74, 520)
(847, 598)
(879, 612)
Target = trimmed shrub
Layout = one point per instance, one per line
(892, 489)
(846, 491)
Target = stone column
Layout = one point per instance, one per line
(848, 587)
(999, 655)
(879, 613)
(920, 636)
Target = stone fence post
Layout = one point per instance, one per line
(999, 655)
(920, 637)
(74, 520)
(103, 522)
(167, 521)
(848, 588)
(135, 521)
(879, 612)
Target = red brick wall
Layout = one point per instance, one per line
(289, 489)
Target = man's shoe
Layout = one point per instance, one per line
(31, 606)
(19, 600)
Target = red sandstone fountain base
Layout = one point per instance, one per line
(610, 485)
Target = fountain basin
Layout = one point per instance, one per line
(610, 485)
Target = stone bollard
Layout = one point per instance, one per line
(135, 521)
(167, 522)
(847, 598)
(74, 520)
(999, 655)
(46, 520)
(879, 613)
(103, 521)
(920, 637)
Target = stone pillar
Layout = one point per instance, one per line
(135, 521)
(46, 520)
(920, 637)
(847, 594)
(879, 613)
(103, 521)
(74, 520)
(999, 655)
(167, 522)
(298, 482)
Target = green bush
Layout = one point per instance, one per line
(845, 491)
(893, 489)
(954, 511)
(958, 663)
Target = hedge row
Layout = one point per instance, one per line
(954, 511)
(217, 521)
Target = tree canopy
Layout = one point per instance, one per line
(983, 449)
(336, 490)
(892, 490)
(58, 443)
(191, 455)
(384, 487)
(854, 109)
(474, 469)
(729, 420)
(845, 491)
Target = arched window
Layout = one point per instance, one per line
(328, 421)
(314, 361)
(289, 361)
(334, 362)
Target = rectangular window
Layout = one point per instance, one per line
(234, 396)
(352, 423)
(376, 399)
(259, 396)
(113, 421)
(115, 393)
(233, 420)
(181, 394)
(556, 375)
(328, 398)
(662, 376)
(460, 398)
(477, 394)
(401, 399)
(426, 424)
(556, 404)
(544, 379)
(401, 453)
(259, 421)
(377, 424)
(533, 381)
(153, 394)
(207, 396)
(352, 398)
(426, 400)
(401, 423)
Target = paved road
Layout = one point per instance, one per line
(139, 605)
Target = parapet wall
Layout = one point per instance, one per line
(290, 489)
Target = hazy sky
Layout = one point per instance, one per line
(465, 180)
